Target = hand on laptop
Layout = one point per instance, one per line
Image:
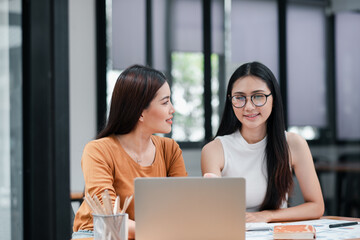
(210, 175)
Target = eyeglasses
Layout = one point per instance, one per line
(258, 99)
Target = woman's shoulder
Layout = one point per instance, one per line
(294, 139)
(168, 148)
(103, 140)
(164, 142)
(212, 157)
(101, 143)
(217, 143)
(214, 143)
(100, 150)
(213, 147)
(297, 144)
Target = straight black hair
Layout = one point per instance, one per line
(279, 179)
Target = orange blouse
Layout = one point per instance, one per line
(106, 165)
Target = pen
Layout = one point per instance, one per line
(342, 224)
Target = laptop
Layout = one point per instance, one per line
(193, 208)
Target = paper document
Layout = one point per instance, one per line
(321, 225)
(260, 226)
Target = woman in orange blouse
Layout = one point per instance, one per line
(126, 148)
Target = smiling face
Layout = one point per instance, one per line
(251, 116)
(157, 118)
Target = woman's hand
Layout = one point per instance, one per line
(210, 175)
(131, 229)
(263, 216)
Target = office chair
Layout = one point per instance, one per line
(322, 176)
(75, 197)
(72, 215)
(348, 188)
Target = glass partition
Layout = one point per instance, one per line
(10, 120)
(254, 33)
(306, 67)
(347, 75)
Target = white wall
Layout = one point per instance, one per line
(82, 68)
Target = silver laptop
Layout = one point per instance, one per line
(190, 208)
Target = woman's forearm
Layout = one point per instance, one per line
(305, 211)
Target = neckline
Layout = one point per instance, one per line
(257, 145)
(130, 159)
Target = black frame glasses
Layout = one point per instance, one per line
(233, 99)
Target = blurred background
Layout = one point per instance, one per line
(59, 61)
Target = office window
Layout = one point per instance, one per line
(10, 120)
(217, 97)
(125, 39)
(187, 96)
(347, 30)
(165, 45)
(160, 37)
(127, 36)
(187, 70)
(254, 33)
(5, 178)
(187, 67)
(306, 69)
(218, 80)
(111, 77)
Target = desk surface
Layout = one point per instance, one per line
(342, 218)
(325, 217)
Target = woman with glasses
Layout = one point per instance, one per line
(126, 148)
(252, 143)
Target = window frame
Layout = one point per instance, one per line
(327, 134)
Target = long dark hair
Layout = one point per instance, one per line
(135, 88)
(279, 179)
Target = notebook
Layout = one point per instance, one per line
(190, 208)
(294, 232)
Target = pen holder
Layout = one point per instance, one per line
(111, 227)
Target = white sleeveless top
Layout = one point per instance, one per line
(248, 161)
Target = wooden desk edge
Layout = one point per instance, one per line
(76, 196)
(337, 167)
(341, 218)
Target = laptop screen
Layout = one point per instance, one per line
(189, 208)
